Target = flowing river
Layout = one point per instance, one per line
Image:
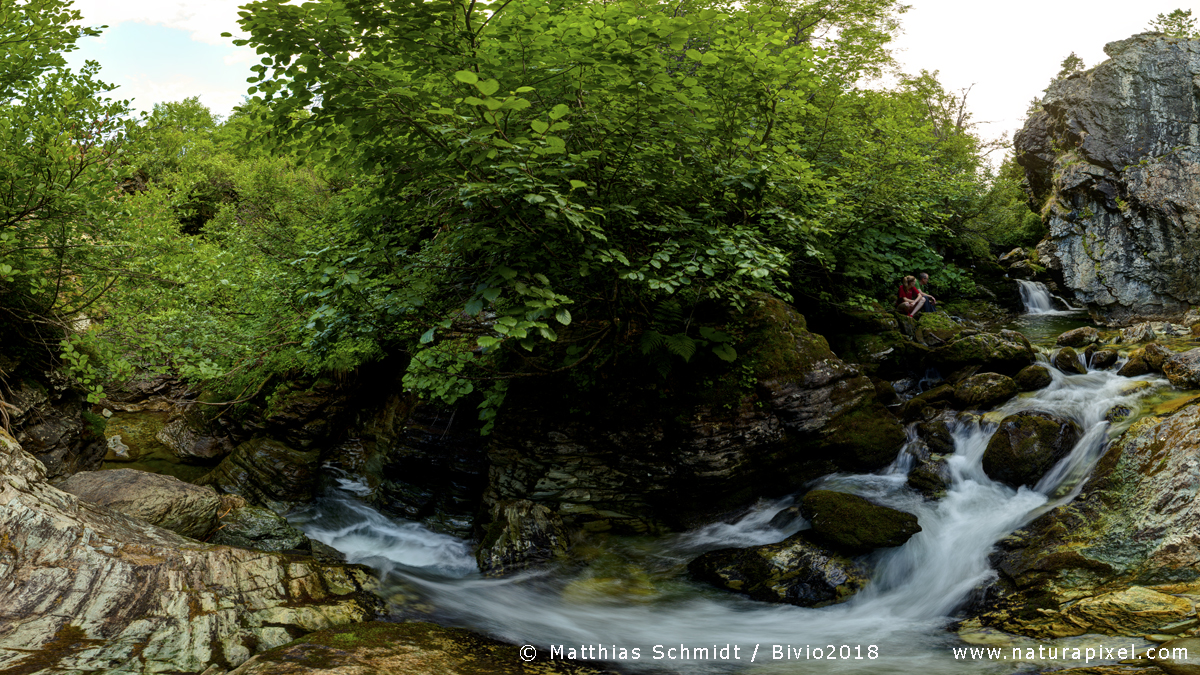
(629, 592)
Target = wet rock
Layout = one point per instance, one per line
(1183, 370)
(1118, 414)
(1177, 657)
(521, 534)
(1133, 525)
(1027, 445)
(1136, 365)
(65, 437)
(267, 473)
(930, 477)
(787, 517)
(1067, 360)
(991, 352)
(1103, 359)
(411, 648)
(134, 433)
(936, 328)
(190, 510)
(850, 523)
(916, 406)
(121, 594)
(1079, 337)
(1032, 378)
(1142, 332)
(188, 444)
(794, 571)
(1131, 610)
(1155, 355)
(937, 437)
(259, 529)
(985, 390)
(1113, 156)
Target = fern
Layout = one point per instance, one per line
(681, 345)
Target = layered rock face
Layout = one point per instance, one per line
(635, 455)
(1113, 161)
(88, 589)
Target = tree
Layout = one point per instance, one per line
(542, 166)
(57, 141)
(1178, 23)
(1071, 64)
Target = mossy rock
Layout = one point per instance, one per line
(139, 433)
(1155, 354)
(914, 407)
(267, 473)
(1032, 378)
(930, 477)
(1103, 359)
(937, 437)
(991, 352)
(795, 571)
(1079, 337)
(1027, 445)
(985, 390)
(1136, 365)
(852, 524)
(260, 529)
(1067, 360)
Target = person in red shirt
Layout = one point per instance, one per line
(911, 299)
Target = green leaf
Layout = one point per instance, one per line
(575, 184)
(564, 316)
(427, 337)
(466, 77)
(539, 126)
(709, 58)
(559, 111)
(725, 352)
(488, 87)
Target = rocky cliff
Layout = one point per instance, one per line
(1113, 163)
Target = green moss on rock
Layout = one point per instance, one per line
(850, 523)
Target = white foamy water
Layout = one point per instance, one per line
(637, 595)
(1039, 300)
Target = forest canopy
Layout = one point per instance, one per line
(503, 190)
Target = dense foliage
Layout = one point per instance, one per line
(507, 189)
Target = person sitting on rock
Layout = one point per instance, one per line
(911, 299)
(922, 288)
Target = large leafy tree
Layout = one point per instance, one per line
(57, 139)
(541, 164)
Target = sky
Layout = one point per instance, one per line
(1005, 52)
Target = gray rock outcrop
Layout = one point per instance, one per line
(1113, 162)
(794, 571)
(89, 589)
(166, 501)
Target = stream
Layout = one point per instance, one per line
(627, 593)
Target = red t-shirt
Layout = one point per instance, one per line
(907, 293)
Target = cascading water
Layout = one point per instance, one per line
(634, 592)
(1039, 300)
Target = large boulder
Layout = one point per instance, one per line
(1183, 370)
(1067, 360)
(1113, 161)
(985, 390)
(852, 524)
(1032, 378)
(1079, 337)
(89, 589)
(1140, 332)
(1131, 530)
(1026, 445)
(1005, 353)
(166, 501)
(794, 571)
(267, 473)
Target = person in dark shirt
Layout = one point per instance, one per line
(923, 288)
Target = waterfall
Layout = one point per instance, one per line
(1039, 300)
(633, 591)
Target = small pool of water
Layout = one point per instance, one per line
(1044, 329)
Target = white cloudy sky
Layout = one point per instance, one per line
(165, 50)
